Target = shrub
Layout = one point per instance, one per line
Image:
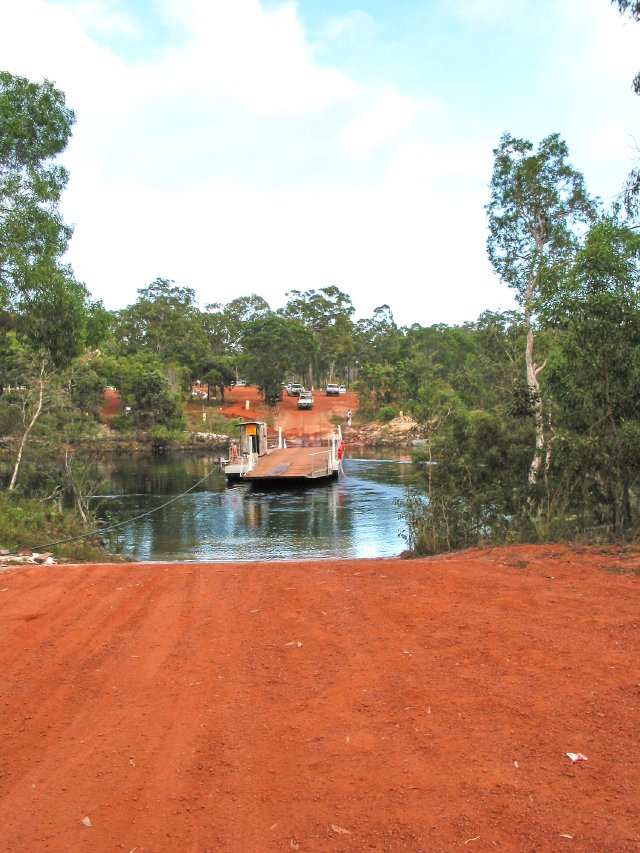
(387, 413)
(28, 523)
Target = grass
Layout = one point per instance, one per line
(29, 523)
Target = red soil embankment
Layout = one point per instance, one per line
(111, 404)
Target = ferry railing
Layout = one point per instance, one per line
(327, 467)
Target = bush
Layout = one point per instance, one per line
(435, 526)
(124, 424)
(387, 413)
(28, 523)
(165, 434)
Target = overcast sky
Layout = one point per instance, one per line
(260, 146)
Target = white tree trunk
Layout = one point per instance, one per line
(538, 415)
(534, 385)
(34, 417)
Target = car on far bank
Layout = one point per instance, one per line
(294, 389)
(305, 400)
(333, 389)
(342, 389)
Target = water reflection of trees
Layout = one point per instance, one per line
(232, 522)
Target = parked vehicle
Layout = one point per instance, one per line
(305, 400)
(294, 389)
(333, 389)
(343, 389)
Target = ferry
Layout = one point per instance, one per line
(254, 460)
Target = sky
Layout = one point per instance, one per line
(261, 146)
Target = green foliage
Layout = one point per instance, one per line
(165, 434)
(10, 414)
(474, 466)
(523, 401)
(387, 413)
(53, 318)
(143, 387)
(538, 203)
(273, 348)
(15, 360)
(100, 324)
(378, 339)
(630, 7)
(39, 298)
(538, 209)
(28, 523)
(219, 375)
(595, 379)
(326, 314)
(420, 531)
(85, 387)
(434, 526)
(165, 322)
(124, 424)
(218, 424)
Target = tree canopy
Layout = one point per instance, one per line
(39, 297)
(538, 207)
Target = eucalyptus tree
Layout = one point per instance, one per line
(226, 324)
(326, 313)
(165, 322)
(378, 337)
(272, 348)
(539, 209)
(43, 309)
(595, 377)
(39, 297)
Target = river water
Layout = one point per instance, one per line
(355, 516)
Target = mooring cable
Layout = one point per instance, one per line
(101, 530)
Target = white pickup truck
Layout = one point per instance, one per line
(305, 400)
(333, 389)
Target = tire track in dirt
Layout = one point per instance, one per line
(347, 705)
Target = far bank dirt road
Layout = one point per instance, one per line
(316, 423)
(338, 705)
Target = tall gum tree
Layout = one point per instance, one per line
(327, 315)
(43, 310)
(35, 127)
(538, 211)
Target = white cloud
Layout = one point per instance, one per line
(104, 16)
(232, 162)
(378, 122)
(354, 23)
(254, 58)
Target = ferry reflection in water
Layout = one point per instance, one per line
(355, 516)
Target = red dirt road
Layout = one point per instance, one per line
(311, 424)
(379, 705)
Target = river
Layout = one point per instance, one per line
(355, 516)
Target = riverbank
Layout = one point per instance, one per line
(246, 403)
(346, 705)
